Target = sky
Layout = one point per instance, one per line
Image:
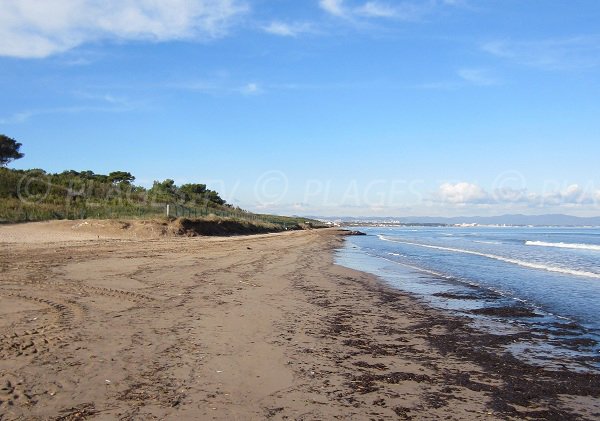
(316, 107)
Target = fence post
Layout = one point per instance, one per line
(168, 209)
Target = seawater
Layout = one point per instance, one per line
(554, 272)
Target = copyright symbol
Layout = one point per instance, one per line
(271, 187)
(509, 185)
(33, 189)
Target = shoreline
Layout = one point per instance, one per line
(526, 385)
(553, 339)
(265, 326)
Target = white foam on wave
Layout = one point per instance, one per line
(564, 245)
(438, 274)
(522, 263)
(417, 268)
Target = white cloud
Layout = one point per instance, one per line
(288, 29)
(572, 53)
(479, 77)
(572, 194)
(462, 193)
(37, 29)
(334, 7)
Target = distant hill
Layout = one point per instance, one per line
(539, 220)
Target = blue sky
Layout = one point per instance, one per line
(320, 107)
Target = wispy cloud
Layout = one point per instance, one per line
(108, 98)
(334, 7)
(464, 78)
(579, 52)
(293, 29)
(443, 86)
(106, 103)
(24, 116)
(218, 86)
(80, 57)
(378, 10)
(252, 88)
(404, 10)
(34, 29)
(479, 77)
(17, 118)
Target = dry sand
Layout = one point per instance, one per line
(98, 323)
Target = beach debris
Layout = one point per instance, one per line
(7, 388)
(507, 311)
(248, 283)
(107, 381)
(80, 412)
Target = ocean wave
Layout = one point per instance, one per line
(522, 263)
(564, 245)
(417, 268)
(439, 274)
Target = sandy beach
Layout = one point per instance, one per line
(103, 322)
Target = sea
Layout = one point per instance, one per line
(504, 279)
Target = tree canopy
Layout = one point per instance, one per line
(9, 150)
(191, 193)
(117, 177)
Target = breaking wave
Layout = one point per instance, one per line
(564, 245)
(521, 263)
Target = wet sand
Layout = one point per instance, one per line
(262, 327)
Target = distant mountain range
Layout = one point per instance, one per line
(540, 220)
